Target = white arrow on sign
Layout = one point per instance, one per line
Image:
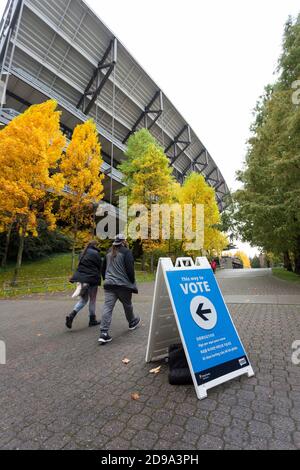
(204, 313)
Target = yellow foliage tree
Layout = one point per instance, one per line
(81, 168)
(30, 149)
(7, 220)
(196, 191)
(83, 237)
(152, 181)
(149, 181)
(244, 258)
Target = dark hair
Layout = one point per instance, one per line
(115, 251)
(116, 248)
(92, 244)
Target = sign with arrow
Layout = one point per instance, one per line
(204, 313)
(204, 325)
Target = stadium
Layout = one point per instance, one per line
(61, 49)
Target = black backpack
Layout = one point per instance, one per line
(179, 371)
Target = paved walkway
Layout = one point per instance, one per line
(59, 390)
(257, 287)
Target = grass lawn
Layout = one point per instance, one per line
(48, 275)
(286, 275)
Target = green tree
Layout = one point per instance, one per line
(268, 212)
(148, 178)
(255, 263)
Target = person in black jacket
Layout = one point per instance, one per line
(119, 284)
(89, 275)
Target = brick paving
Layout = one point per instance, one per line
(60, 390)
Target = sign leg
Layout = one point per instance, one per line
(202, 393)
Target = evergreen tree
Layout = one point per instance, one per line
(268, 212)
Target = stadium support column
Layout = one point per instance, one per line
(183, 138)
(219, 185)
(106, 67)
(209, 176)
(99, 77)
(153, 110)
(10, 24)
(196, 162)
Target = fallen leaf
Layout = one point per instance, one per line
(126, 361)
(155, 371)
(135, 396)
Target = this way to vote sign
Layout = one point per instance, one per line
(212, 345)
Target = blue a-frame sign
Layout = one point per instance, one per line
(188, 307)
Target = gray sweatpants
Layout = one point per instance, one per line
(111, 298)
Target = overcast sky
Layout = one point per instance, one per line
(211, 58)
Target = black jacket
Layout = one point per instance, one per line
(119, 272)
(89, 268)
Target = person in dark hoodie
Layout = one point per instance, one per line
(119, 284)
(89, 275)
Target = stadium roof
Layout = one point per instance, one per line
(61, 49)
